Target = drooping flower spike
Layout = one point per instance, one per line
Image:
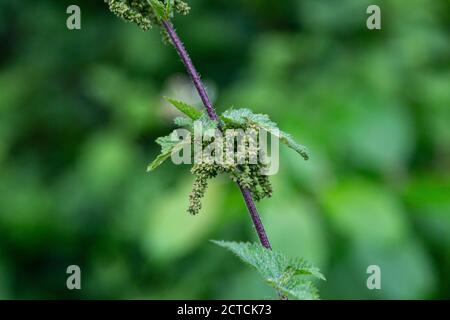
(243, 171)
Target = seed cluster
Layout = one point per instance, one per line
(248, 176)
(181, 7)
(244, 171)
(141, 12)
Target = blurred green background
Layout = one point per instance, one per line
(80, 110)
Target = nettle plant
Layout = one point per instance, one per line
(290, 277)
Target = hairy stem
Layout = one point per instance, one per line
(255, 217)
(259, 227)
(191, 70)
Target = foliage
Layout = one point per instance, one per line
(146, 13)
(79, 111)
(285, 274)
(241, 168)
(190, 111)
(247, 168)
(245, 117)
(169, 145)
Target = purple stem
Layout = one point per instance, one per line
(191, 70)
(213, 115)
(255, 217)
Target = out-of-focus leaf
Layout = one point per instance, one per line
(295, 224)
(4, 281)
(171, 233)
(366, 213)
(428, 199)
(377, 135)
(246, 284)
(407, 272)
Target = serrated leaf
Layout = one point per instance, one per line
(169, 144)
(183, 122)
(281, 272)
(185, 108)
(206, 123)
(299, 289)
(242, 117)
(235, 117)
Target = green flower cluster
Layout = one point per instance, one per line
(245, 167)
(181, 7)
(143, 12)
(249, 175)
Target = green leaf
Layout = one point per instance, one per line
(183, 122)
(242, 117)
(206, 122)
(291, 143)
(281, 272)
(169, 7)
(300, 289)
(235, 117)
(185, 108)
(169, 144)
(159, 9)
